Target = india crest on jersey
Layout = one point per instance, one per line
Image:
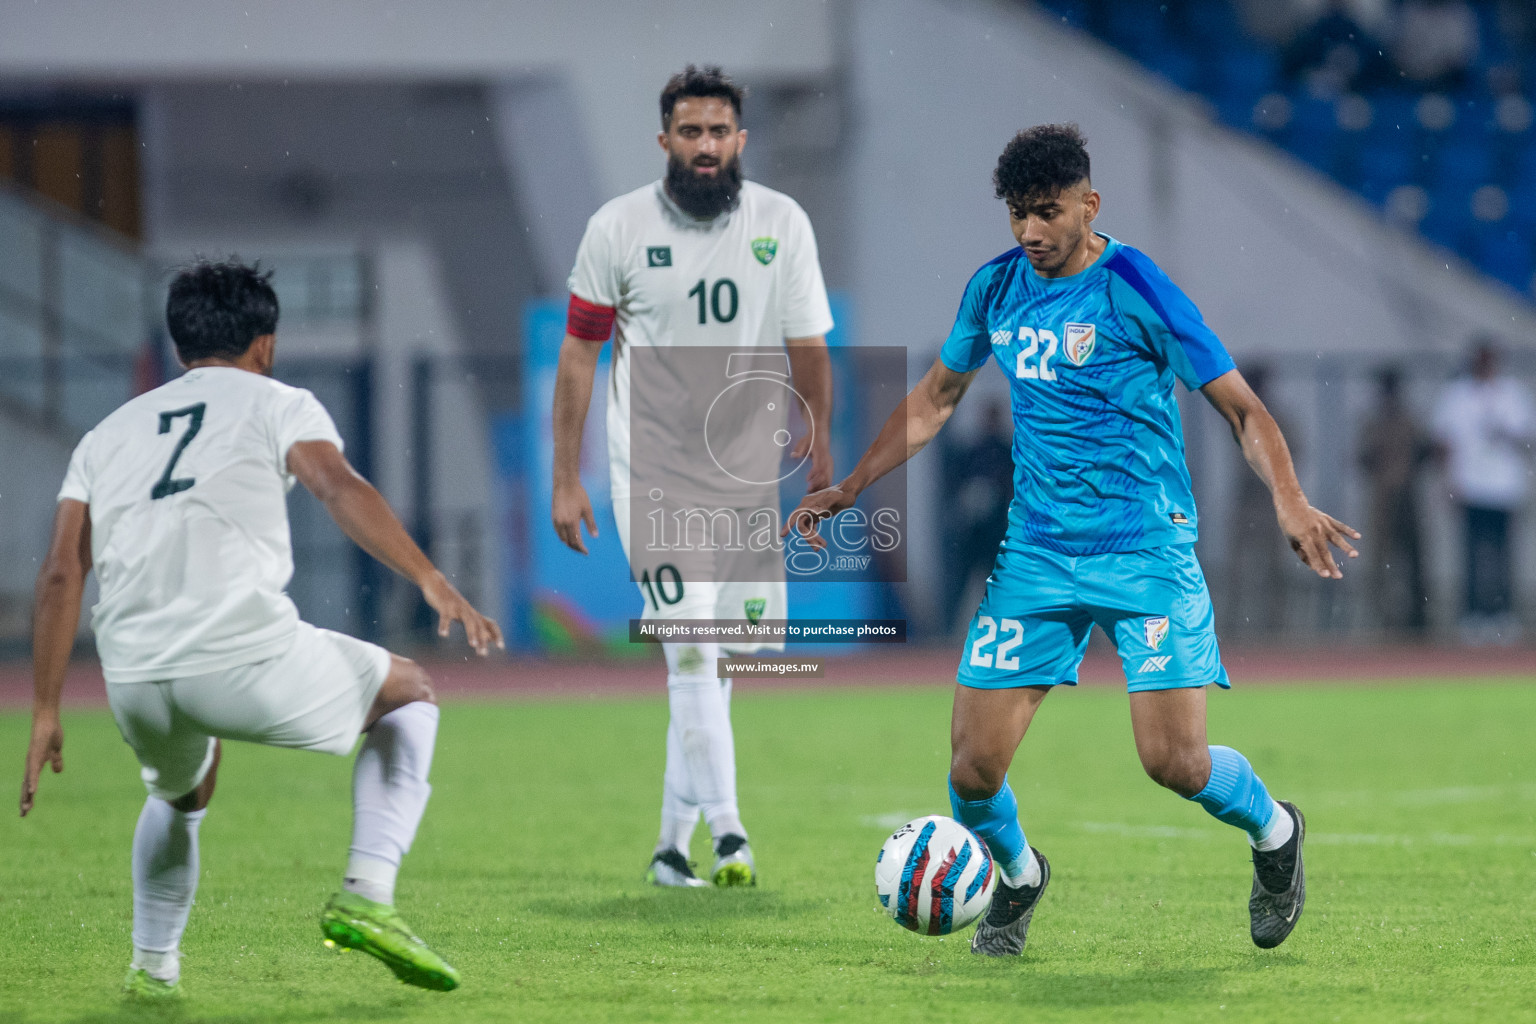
(1156, 629)
(765, 249)
(1079, 342)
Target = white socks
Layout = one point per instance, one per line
(1024, 871)
(1281, 828)
(389, 796)
(701, 749)
(164, 882)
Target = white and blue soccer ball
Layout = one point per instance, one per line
(934, 876)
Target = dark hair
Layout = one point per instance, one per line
(698, 82)
(215, 310)
(1040, 162)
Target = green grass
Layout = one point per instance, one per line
(1421, 863)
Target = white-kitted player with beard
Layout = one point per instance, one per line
(698, 259)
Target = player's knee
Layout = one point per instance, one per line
(409, 683)
(975, 778)
(198, 799)
(1185, 771)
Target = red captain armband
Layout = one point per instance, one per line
(588, 321)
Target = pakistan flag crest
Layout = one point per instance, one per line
(755, 606)
(765, 249)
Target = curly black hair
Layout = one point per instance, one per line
(1040, 162)
(216, 309)
(699, 82)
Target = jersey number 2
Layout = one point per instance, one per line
(166, 485)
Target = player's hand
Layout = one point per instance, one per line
(451, 607)
(570, 508)
(46, 747)
(819, 477)
(813, 508)
(1310, 533)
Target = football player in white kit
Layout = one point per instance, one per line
(178, 501)
(700, 258)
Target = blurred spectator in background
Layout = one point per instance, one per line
(1485, 425)
(1435, 42)
(1335, 53)
(1257, 554)
(1393, 450)
(979, 478)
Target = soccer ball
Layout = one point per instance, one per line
(933, 876)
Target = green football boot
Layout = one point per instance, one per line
(141, 987)
(733, 862)
(350, 921)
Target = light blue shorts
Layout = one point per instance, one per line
(1033, 624)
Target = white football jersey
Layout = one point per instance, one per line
(747, 278)
(187, 489)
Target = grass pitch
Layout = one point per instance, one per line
(1421, 864)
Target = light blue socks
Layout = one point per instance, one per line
(996, 821)
(1235, 795)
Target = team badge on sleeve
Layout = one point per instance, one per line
(1156, 630)
(765, 249)
(1080, 341)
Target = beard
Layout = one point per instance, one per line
(700, 196)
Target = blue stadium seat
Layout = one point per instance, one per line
(1178, 66)
(1463, 166)
(1139, 29)
(1313, 134)
(1380, 169)
(1245, 70)
(1506, 254)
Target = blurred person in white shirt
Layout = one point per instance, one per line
(1485, 424)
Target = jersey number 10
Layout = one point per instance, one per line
(724, 289)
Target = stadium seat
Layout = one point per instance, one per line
(1506, 255)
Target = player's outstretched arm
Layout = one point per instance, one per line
(364, 515)
(1309, 530)
(811, 368)
(910, 427)
(573, 394)
(55, 617)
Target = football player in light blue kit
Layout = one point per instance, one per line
(1092, 336)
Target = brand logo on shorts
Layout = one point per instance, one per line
(765, 249)
(1079, 343)
(1156, 664)
(1001, 337)
(658, 256)
(1156, 630)
(755, 606)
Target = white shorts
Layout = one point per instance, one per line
(314, 697)
(668, 594)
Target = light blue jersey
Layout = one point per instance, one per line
(1091, 360)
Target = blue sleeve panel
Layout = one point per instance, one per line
(969, 344)
(1166, 319)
